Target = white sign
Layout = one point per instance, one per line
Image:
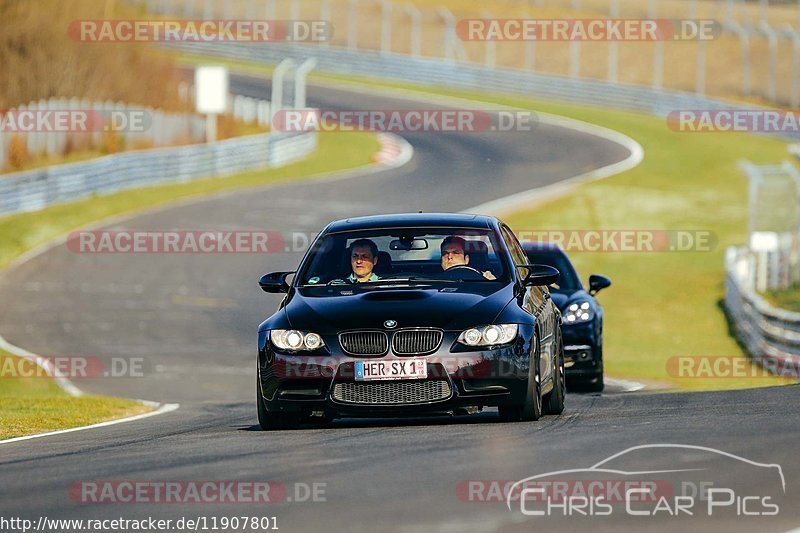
(211, 89)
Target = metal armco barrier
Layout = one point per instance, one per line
(768, 333)
(35, 189)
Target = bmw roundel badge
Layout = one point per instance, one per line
(390, 324)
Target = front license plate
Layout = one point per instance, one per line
(397, 369)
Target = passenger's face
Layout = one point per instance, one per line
(362, 261)
(453, 255)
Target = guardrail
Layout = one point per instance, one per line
(35, 189)
(85, 124)
(769, 334)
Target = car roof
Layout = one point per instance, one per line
(413, 220)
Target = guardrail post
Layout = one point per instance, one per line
(386, 26)
(2, 149)
(744, 43)
(700, 68)
(449, 32)
(772, 41)
(416, 28)
(692, 9)
(794, 96)
(208, 10)
(728, 11)
(269, 10)
(490, 46)
(763, 10)
(613, 46)
(277, 86)
(529, 52)
(325, 15)
(295, 9)
(352, 24)
(300, 76)
(574, 59)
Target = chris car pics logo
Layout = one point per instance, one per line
(656, 480)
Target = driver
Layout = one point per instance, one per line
(363, 258)
(454, 254)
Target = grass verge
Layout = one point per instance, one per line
(663, 304)
(788, 299)
(28, 405)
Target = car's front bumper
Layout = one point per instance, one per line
(458, 378)
(582, 351)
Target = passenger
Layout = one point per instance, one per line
(453, 254)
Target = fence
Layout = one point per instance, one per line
(769, 334)
(57, 126)
(757, 52)
(35, 189)
(774, 226)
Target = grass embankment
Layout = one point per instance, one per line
(34, 405)
(788, 299)
(30, 405)
(662, 304)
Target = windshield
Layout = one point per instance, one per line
(414, 255)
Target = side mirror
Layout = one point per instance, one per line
(540, 275)
(597, 283)
(274, 282)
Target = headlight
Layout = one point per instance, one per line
(293, 340)
(577, 312)
(489, 335)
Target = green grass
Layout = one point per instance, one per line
(662, 304)
(28, 405)
(31, 405)
(788, 299)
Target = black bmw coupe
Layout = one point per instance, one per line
(411, 314)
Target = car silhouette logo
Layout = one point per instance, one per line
(390, 324)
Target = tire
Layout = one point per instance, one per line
(270, 421)
(531, 408)
(554, 402)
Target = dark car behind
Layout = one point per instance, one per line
(582, 316)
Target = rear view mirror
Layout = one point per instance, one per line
(408, 244)
(274, 282)
(540, 275)
(597, 283)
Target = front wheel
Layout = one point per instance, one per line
(531, 408)
(554, 403)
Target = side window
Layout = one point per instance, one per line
(517, 254)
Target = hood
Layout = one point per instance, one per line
(328, 310)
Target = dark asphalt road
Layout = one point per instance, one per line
(193, 320)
